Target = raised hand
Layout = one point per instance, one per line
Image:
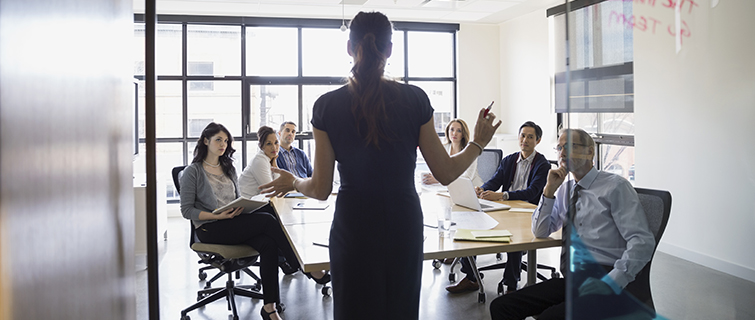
(484, 128)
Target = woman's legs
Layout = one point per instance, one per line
(261, 231)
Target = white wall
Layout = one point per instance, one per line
(479, 70)
(695, 114)
(525, 79)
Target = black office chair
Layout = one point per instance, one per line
(225, 258)
(657, 207)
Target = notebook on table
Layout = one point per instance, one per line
(462, 194)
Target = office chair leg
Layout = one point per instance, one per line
(208, 284)
(201, 303)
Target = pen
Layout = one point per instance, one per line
(487, 109)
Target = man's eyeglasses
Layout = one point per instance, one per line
(568, 147)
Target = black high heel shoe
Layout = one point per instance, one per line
(266, 315)
(323, 280)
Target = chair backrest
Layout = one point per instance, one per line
(657, 207)
(177, 172)
(488, 162)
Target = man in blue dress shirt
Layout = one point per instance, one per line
(611, 226)
(291, 158)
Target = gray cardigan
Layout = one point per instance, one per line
(197, 194)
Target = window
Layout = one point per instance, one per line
(601, 85)
(246, 72)
(201, 69)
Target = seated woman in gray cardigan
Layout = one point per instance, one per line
(210, 182)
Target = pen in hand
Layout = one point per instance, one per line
(487, 109)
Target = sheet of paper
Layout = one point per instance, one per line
(473, 220)
(530, 210)
(310, 204)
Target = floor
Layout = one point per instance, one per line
(681, 289)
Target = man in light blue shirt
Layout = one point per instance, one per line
(611, 226)
(292, 158)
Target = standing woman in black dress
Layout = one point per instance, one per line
(372, 127)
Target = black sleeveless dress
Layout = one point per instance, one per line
(376, 236)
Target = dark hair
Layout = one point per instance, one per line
(464, 131)
(226, 160)
(538, 131)
(370, 45)
(285, 123)
(262, 134)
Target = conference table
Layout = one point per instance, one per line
(308, 230)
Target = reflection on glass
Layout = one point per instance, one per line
(309, 96)
(271, 51)
(324, 53)
(221, 105)
(430, 54)
(271, 105)
(214, 50)
(441, 94)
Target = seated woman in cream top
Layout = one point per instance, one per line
(457, 137)
(258, 171)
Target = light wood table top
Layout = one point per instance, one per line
(304, 228)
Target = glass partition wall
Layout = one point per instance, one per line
(248, 72)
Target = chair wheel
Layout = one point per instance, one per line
(500, 288)
(482, 275)
(186, 317)
(235, 317)
(555, 275)
(199, 296)
(436, 264)
(202, 276)
(327, 291)
(452, 277)
(481, 297)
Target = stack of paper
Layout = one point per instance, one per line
(483, 235)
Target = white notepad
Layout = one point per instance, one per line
(491, 233)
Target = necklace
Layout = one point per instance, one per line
(211, 165)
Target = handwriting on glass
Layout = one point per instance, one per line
(651, 24)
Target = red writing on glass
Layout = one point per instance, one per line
(643, 23)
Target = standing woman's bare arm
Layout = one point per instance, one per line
(321, 183)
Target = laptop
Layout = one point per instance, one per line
(462, 194)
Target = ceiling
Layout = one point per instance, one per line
(448, 11)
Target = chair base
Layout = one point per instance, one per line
(229, 292)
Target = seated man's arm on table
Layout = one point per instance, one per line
(632, 224)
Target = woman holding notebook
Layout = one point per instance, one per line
(372, 126)
(209, 183)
